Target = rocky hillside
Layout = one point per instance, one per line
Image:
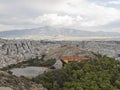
(10, 82)
(68, 51)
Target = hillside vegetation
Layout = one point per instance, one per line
(100, 74)
(32, 62)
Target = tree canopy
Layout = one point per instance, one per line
(99, 74)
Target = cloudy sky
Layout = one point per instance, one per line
(92, 15)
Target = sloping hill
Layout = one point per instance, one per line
(68, 51)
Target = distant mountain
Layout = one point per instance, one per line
(52, 33)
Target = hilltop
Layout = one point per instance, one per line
(68, 51)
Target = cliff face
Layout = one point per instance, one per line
(14, 51)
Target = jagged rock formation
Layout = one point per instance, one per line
(10, 82)
(14, 51)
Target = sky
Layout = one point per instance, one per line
(90, 15)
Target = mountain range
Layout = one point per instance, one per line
(55, 33)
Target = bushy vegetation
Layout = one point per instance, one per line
(102, 74)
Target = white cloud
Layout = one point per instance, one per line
(57, 20)
(1, 7)
(116, 2)
(93, 14)
(74, 13)
(6, 27)
(94, 19)
(78, 13)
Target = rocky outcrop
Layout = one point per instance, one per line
(5, 88)
(10, 82)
